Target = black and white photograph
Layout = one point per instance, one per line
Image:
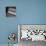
(11, 11)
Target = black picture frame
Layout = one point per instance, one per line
(10, 11)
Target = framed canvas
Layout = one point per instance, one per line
(10, 11)
(33, 32)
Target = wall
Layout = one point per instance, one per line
(7, 24)
(31, 11)
(28, 12)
